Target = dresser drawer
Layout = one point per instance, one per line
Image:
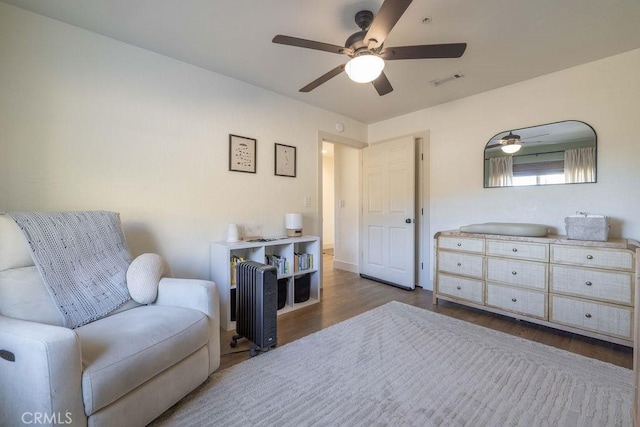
(593, 257)
(461, 263)
(591, 283)
(527, 251)
(461, 288)
(597, 317)
(466, 244)
(526, 274)
(522, 301)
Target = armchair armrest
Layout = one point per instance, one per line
(43, 381)
(201, 295)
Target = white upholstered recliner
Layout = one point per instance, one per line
(124, 369)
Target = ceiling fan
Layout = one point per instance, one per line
(366, 50)
(511, 143)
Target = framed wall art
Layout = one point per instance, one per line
(242, 154)
(285, 160)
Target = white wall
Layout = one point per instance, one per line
(328, 196)
(347, 162)
(602, 93)
(87, 122)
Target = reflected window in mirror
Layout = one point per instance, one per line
(555, 153)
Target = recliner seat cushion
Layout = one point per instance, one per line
(123, 351)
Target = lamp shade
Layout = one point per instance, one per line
(293, 220)
(293, 224)
(364, 68)
(233, 234)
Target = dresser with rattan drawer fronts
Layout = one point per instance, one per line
(584, 287)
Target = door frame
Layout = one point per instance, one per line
(424, 249)
(333, 139)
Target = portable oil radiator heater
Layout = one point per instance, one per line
(256, 305)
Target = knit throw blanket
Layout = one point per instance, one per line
(82, 258)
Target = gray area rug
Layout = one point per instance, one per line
(399, 365)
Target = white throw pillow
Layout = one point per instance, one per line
(143, 277)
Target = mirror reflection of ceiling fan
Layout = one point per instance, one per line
(366, 50)
(511, 143)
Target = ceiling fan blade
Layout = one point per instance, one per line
(389, 13)
(310, 44)
(534, 136)
(448, 50)
(323, 79)
(382, 84)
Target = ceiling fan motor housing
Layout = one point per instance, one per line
(363, 19)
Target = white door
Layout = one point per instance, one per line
(388, 212)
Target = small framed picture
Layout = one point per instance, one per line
(242, 154)
(285, 160)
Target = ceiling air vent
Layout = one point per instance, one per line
(438, 82)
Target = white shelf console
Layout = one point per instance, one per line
(584, 287)
(222, 274)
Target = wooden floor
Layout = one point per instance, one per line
(346, 294)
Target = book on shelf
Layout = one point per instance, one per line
(235, 260)
(303, 261)
(279, 262)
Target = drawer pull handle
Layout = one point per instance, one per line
(588, 283)
(459, 264)
(589, 256)
(514, 272)
(513, 299)
(459, 244)
(515, 249)
(458, 287)
(588, 315)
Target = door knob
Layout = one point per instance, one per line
(408, 220)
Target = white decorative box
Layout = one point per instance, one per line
(583, 226)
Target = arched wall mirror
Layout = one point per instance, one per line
(555, 153)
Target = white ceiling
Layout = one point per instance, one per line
(508, 41)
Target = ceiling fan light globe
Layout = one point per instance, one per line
(511, 148)
(364, 68)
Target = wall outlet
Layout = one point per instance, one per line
(307, 202)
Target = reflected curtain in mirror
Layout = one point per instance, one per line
(501, 171)
(580, 165)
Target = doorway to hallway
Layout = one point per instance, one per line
(341, 204)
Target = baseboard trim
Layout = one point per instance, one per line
(347, 266)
